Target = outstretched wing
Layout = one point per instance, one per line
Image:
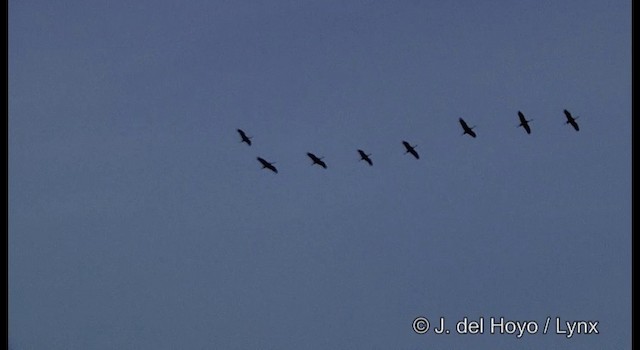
(365, 157)
(571, 120)
(410, 149)
(523, 120)
(317, 160)
(575, 125)
(267, 165)
(244, 137)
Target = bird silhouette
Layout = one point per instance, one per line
(467, 129)
(411, 149)
(244, 137)
(317, 160)
(365, 157)
(267, 165)
(524, 122)
(571, 120)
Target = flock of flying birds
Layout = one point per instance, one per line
(409, 149)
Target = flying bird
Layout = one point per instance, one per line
(316, 160)
(267, 165)
(365, 157)
(524, 122)
(246, 139)
(467, 129)
(571, 120)
(411, 149)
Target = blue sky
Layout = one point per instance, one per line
(137, 219)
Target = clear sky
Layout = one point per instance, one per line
(137, 219)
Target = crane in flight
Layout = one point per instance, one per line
(524, 122)
(365, 157)
(467, 129)
(571, 120)
(317, 160)
(246, 139)
(267, 165)
(410, 149)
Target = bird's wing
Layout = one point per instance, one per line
(522, 118)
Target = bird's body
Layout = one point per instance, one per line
(467, 130)
(267, 165)
(571, 120)
(316, 160)
(410, 149)
(246, 139)
(524, 122)
(365, 157)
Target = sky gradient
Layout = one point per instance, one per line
(138, 220)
